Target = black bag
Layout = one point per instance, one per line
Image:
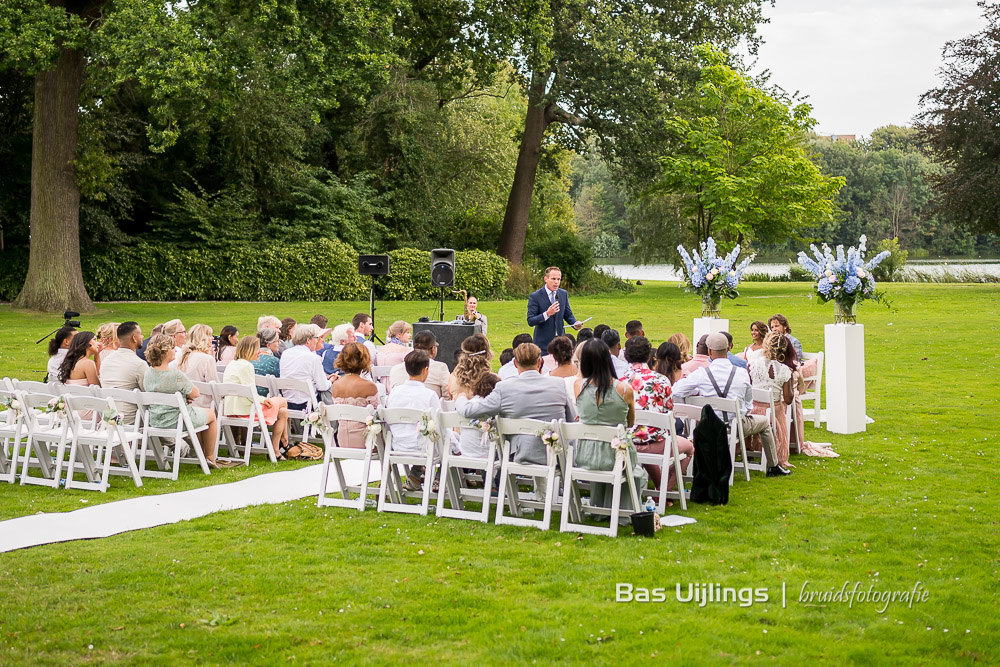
(712, 463)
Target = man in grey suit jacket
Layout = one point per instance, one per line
(530, 395)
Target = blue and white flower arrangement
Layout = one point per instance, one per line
(845, 277)
(711, 276)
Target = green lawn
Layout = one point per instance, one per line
(912, 500)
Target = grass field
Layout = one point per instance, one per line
(912, 500)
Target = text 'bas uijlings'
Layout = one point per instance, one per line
(701, 594)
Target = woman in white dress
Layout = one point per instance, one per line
(758, 330)
(771, 371)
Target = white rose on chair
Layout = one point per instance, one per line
(551, 439)
(317, 419)
(373, 425)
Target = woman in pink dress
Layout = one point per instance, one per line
(773, 372)
(196, 360)
(396, 346)
(82, 365)
(352, 389)
(229, 338)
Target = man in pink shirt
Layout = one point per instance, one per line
(700, 359)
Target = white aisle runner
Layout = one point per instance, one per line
(149, 511)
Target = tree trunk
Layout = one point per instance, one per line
(55, 278)
(515, 219)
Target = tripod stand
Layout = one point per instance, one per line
(371, 306)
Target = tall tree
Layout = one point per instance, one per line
(961, 123)
(604, 67)
(740, 170)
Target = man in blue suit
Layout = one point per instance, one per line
(548, 309)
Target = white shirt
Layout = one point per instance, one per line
(509, 370)
(300, 363)
(55, 361)
(123, 369)
(410, 394)
(698, 384)
(437, 378)
(552, 297)
(621, 366)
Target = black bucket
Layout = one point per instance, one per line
(643, 523)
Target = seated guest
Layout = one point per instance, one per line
(473, 315)
(632, 328)
(396, 346)
(141, 350)
(683, 344)
(82, 363)
(614, 343)
(733, 359)
(364, 331)
(300, 362)
(599, 331)
(530, 395)
(341, 335)
(107, 338)
(506, 357)
(474, 361)
(267, 363)
(240, 371)
(668, 362)
(123, 369)
(352, 389)
(175, 329)
(509, 370)
(321, 322)
(710, 380)
(701, 358)
(470, 441)
(583, 335)
(561, 351)
(773, 371)
(603, 400)
(779, 323)
(225, 350)
(438, 376)
(412, 394)
(268, 322)
(285, 334)
(652, 392)
(756, 348)
(58, 347)
(161, 378)
(196, 360)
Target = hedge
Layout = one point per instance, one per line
(322, 270)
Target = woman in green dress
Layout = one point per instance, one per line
(603, 400)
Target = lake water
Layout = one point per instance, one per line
(623, 268)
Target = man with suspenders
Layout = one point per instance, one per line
(721, 378)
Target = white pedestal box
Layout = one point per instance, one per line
(707, 325)
(845, 378)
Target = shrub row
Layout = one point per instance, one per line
(321, 270)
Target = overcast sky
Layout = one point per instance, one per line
(863, 64)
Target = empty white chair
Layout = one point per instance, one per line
(574, 431)
(452, 483)
(182, 433)
(671, 456)
(509, 470)
(12, 431)
(47, 435)
(428, 456)
(816, 393)
(251, 423)
(108, 437)
(334, 455)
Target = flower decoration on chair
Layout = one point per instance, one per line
(622, 443)
(551, 439)
(317, 419)
(373, 428)
(844, 278)
(427, 430)
(12, 405)
(711, 276)
(56, 406)
(110, 416)
(488, 429)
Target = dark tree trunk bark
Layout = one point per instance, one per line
(55, 278)
(515, 219)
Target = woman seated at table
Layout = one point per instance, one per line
(474, 316)
(162, 379)
(396, 345)
(196, 360)
(240, 371)
(352, 389)
(603, 400)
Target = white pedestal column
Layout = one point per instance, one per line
(845, 378)
(707, 325)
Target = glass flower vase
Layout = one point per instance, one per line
(844, 312)
(710, 305)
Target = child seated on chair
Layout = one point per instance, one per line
(412, 394)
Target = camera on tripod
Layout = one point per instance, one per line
(68, 315)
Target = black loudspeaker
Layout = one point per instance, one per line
(373, 265)
(442, 267)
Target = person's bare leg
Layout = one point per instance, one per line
(279, 436)
(209, 435)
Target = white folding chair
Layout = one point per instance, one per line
(34, 387)
(380, 375)
(280, 386)
(671, 456)
(427, 457)
(7, 383)
(251, 423)
(574, 431)
(758, 461)
(334, 454)
(107, 437)
(221, 368)
(509, 470)
(46, 432)
(12, 430)
(183, 431)
(732, 408)
(453, 481)
(73, 389)
(264, 382)
(815, 394)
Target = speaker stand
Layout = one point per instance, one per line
(371, 306)
(442, 306)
